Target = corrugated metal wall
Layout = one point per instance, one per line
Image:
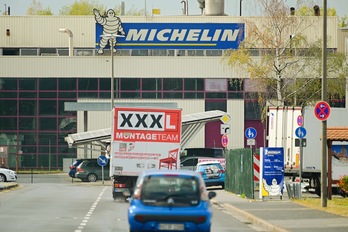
(235, 108)
(124, 66)
(342, 40)
(42, 31)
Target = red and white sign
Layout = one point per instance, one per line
(150, 125)
(145, 139)
(224, 140)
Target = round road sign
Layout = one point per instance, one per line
(322, 110)
(299, 120)
(224, 140)
(300, 132)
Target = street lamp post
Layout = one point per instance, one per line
(70, 34)
(112, 41)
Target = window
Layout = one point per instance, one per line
(10, 51)
(194, 84)
(67, 84)
(27, 84)
(29, 52)
(130, 84)
(88, 83)
(151, 84)
(172, 84)
(47, 83)
(47, 107)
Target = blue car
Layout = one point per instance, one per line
(73, 166)
(212, 172)
(170, 200)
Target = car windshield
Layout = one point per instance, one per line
(172, 191)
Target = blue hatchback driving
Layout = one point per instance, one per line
(170, 200)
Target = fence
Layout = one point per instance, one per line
(239, 176)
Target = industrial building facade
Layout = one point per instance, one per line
(43, 69)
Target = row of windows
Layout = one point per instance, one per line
(147, 52)
(145, 84)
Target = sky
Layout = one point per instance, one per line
(167, 7)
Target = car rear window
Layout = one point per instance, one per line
(173, 191)
(210, 168)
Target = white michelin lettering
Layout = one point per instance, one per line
(193, 35)
(173, 35)
(205, 36)
(152, 35)
(161, 35)
(178, 35)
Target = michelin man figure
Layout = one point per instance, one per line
(111, 25)
(274, 189)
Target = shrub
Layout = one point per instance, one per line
(343, 183)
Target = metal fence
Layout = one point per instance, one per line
(239, 175)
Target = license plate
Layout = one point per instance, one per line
(163, 226)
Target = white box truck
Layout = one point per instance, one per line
(142, 139)
(281, 125)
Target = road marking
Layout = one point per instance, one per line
(90, 212)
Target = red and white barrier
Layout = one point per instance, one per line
(256, 167)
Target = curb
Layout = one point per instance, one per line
(251, 217)
(5, 186)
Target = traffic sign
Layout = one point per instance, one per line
(102, 160)
(224, 140)
(225, 118)
(299, 120)
(250, 133)
(322, 110)
(224, 129)
(300, 132)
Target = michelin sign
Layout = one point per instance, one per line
(169, 35)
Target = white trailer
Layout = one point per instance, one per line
(282, 123)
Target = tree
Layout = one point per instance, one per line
(288, 69)
(37, 9)
(85, 7)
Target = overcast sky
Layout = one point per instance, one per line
(167, 7)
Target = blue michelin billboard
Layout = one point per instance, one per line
(197, 36)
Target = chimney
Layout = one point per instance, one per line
(292, 10)
(316, 10)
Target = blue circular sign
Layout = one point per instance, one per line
(250, 133)
(300, 132)
(102, 160)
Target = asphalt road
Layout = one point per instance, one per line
(55, 202)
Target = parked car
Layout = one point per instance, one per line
(90, 170)
(189, 163)
(170, 200)
(73, 167)
(212, 172)
(7, 175)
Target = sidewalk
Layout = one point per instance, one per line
(7, 185)
(281, 215)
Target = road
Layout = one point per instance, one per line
(55, 203)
